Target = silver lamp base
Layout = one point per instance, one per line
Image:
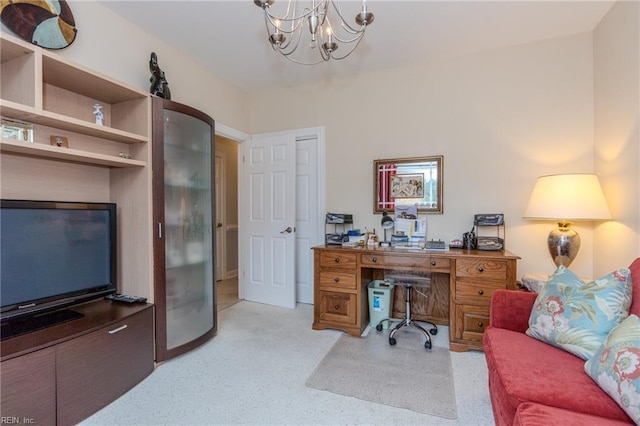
(564, 244)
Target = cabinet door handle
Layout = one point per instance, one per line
(122, 327)
(481, 292)
(337, 260)
(336, 279)
(374, 259)
(480, 325)
(433, 263)
(336, 307)
(480, 269)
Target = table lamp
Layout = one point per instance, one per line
(566, 198)
(386, 223)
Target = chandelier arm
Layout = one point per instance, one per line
(349, 41)
(284, 47)
(353, 47)
(343, 22)
(305, 12)
(271, 20)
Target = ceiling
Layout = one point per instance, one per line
(229, 37)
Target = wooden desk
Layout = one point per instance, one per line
(462, 282)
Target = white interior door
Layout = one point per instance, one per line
(269, 217)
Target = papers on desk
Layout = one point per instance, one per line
(414, 229)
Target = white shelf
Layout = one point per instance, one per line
(59, 121)
(66, 154)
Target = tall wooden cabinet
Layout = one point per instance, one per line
(183, 209)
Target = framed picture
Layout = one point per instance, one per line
(60, 141)
(429, 171)
(15, 129)
(407, 186)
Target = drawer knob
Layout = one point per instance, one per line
(336, 279)
(480, 292)
(480, 324)
(336, 307)
(433, 263)
(374, 259)
(480, 269)
(337, 260)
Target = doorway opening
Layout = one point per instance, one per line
(226, 221)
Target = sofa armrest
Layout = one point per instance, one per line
(511, 309)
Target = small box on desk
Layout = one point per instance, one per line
(490, 243)
(336, 239)
(339, 218)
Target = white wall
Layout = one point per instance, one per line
(113, 46)
(617, 133)
(500, 118)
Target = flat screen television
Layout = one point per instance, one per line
(53, 255)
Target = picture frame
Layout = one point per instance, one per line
(16, 129)
(430, 167)
(60, 141)
(406, 186)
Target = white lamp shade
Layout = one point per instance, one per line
(568, 197)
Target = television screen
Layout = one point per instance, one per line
(54, 254)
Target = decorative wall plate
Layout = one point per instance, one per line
(48, 24)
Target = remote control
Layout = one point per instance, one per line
(117, 297)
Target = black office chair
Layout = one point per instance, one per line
(407, 320)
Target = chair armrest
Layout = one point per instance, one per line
(511, 309)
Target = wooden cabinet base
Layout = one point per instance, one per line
(353, 331)
(34, 376)
(64, 373)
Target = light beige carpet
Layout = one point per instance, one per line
(405, 375)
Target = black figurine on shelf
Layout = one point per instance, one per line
(159, 84)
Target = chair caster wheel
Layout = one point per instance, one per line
(433, 331)
(392, 341)
(379, 327)
(427, 345)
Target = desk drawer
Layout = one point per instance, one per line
(398, 261)
(338, 307)
(471, 323)
(477, 292)
(338, 259)
(338, 279)
(482, 268)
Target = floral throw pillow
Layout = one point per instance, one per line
(615, 366)
(577, 316)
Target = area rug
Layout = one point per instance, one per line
(405, 375)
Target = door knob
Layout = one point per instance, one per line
(288, 230)
(219, 225)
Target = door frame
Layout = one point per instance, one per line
(240, 138)
(221, 233)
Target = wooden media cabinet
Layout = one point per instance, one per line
(64, 373)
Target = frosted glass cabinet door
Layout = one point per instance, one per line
(183, 213)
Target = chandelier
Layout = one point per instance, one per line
(323, 34)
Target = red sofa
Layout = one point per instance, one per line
(533, 383)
